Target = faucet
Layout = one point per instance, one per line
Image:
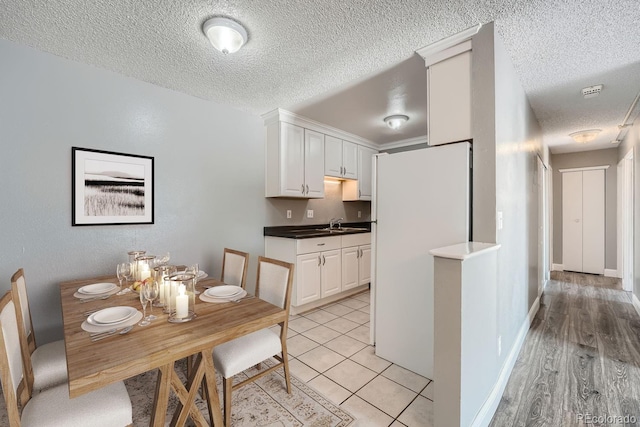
(333, 222)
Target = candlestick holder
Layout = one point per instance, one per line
(182, 299)
(161, 274)
(144, 265)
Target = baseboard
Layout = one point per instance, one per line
(611, 273)
(636, 302)
(557, 267)
(485, 414)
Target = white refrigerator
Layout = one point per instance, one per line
(421, 201)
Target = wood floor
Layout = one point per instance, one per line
(580, 362)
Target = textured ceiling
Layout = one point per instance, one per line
(298, 50)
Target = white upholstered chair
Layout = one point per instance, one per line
(48, 365)
(272, 285)
(107, 407)
(234, 267)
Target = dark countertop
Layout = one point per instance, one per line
(316, 230)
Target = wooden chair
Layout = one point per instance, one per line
(234, 267)
(106, 407)
(273, 284)
(48, 366)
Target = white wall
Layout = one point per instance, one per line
(632, 142)
(209, 174)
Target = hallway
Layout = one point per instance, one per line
(580, 362)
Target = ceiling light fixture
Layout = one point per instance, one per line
(585, 136)
(224, 34)
(396, 121)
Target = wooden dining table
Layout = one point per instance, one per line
(92, 365)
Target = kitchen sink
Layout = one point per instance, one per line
(342, 229)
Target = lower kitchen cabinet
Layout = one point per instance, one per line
(324, 266)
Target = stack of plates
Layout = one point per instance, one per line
(111, 318)
(96, 290)
(223, 293)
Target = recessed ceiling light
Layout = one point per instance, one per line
(585, 136)
(395, 121)
(224, 34)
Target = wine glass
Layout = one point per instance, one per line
(195, 270)
(151, 292)
(143, 301)
(163, 259)
(123, 271)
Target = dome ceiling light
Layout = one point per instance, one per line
(585, 136)
(224, 34)
(396, 121)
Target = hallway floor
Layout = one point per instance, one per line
(580, 362)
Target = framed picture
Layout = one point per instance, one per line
(111, 188)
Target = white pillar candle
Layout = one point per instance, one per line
(182, 303)
(145, 273)
(172, 290)
(161, 287)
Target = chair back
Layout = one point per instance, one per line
(274, 281)
(234, 267)
(11, 362)
(20, 298)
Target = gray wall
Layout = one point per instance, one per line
(209, 176)
(507, 141)
(584, 159)
(632, 142)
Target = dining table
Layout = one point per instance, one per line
(158, 346)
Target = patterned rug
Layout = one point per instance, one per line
(262, 403)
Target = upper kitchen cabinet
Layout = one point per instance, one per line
(294, 161)
(340, 158)
(361, 189)
(449, 96)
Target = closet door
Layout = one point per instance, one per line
(572, 221)
(593, 221)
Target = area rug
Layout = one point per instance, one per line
(262, 403)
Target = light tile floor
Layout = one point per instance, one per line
(328, 349)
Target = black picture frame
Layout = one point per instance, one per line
(111, 188)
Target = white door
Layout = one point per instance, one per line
(331, 273)
(314, 163)
(572, 221)
(593, 221)
(349, 267)
(365, 167)
(332, 156)
(626, 179)
(292, 158)
(365, 265)
(308, 278)
(542, 226)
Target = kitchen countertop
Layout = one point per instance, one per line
(316, 230)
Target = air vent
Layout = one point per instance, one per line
(591, 91)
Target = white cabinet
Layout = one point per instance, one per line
(449, 99)
(294, 161)
(324, 266)
(362, 188)
(340, 158)
(356, 260)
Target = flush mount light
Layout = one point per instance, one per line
(395, 121)
(224, 34)
(585, 136)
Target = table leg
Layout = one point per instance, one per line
(187, 396)
(212, 392)
(161, 398)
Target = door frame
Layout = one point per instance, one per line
(625, 220)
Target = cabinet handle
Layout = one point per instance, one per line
(302, 188)
(359, 193)
(360, 250)
(323, 260)
(320, 244)
(307, 189)
(319, 261)
(345, 171)
(342, 170)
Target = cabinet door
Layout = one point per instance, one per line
(349, 267)
(292, 160)
(332, 156)
(365, 177)
(314, 164)
(449, 100)
(331, 273)
(349, 160)
(307, 278)
(364, 265)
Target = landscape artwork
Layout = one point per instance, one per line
(111, 188)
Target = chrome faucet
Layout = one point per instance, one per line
(335, 221)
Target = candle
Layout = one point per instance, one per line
(161, 288)
(182, 303)
(145, 273)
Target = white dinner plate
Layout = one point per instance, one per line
(112, 315)
(223, 291)
(89, 327)
(97, 288)
(206, 298)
